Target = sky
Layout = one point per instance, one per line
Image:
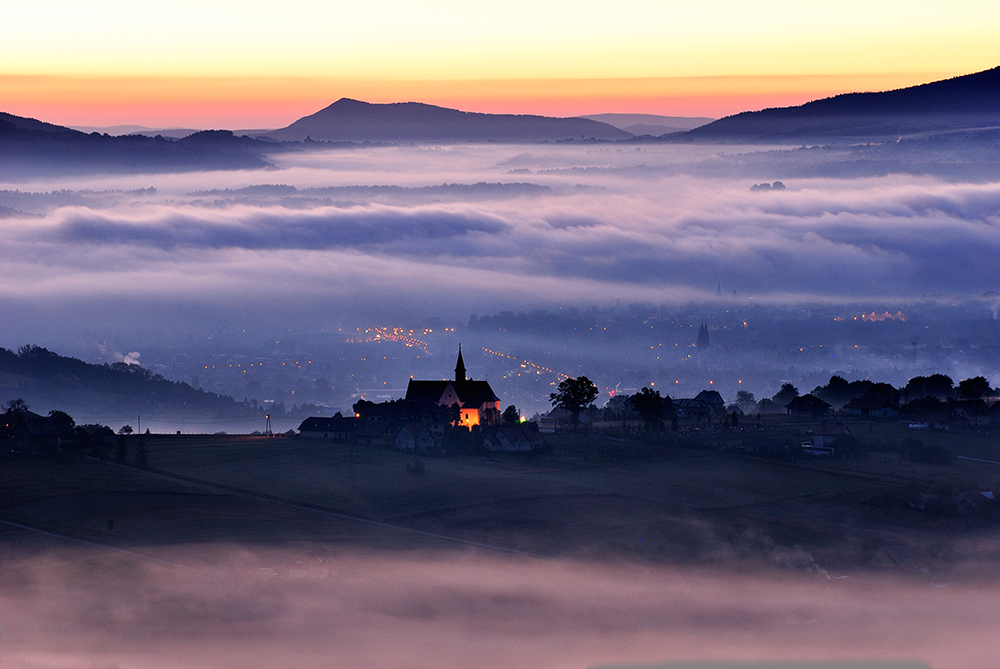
(217, 63)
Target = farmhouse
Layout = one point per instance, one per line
(414, 437)
(337, 428)
(807, 406)
(28, 431)
(881, 400)
(509, 438)
(473, 398)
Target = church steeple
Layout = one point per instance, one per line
(460, 366)
(703, 340)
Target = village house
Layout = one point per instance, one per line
(972, 412)
(376, 433)
(415, 437)
(27, 431)
(509, 438)
(338, 428)
(881, 400)
(693, 409)
(714, 400)
(807, 406)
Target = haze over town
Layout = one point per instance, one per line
(201, 270)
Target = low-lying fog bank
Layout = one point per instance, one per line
(253, 606)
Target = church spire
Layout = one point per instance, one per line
(703, 340)
(460, 366)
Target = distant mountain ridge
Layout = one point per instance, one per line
(348, 120)
(964, 102)
(29, 146)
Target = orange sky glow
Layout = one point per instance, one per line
(253, 102)
(253, 64)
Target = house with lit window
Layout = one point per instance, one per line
(473, 398)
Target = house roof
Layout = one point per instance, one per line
(807, 402)
(711, 396)
(31, 424)
(414, 430)
(335, 424)
(691, 403)
(511, 433)
(379, 428)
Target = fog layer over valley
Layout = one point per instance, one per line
(193, 270)
(252, 607)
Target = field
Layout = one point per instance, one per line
(253, 552)
(685, 502)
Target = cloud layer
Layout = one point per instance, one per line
(652, 225)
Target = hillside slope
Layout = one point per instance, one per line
(965, 102)
(109, 392)
(29, 147)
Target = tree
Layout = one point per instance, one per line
(125, 429)
(974, 388)
(62, 419)
(935, 385)
(489, 417)
(573, 396)
(511, 416)
(16, 406)
(787, 393)
(746, 401)
(649, 405)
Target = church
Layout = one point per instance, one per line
(473, 397)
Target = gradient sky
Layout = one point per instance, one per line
(252, 64)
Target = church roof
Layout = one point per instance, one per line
(470, 393)
(430, 391)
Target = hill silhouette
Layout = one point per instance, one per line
(31, 147)
(965, 102)
(349, 120)
(90, 392)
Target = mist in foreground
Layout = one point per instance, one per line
(253, 606)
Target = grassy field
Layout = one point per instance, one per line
(687, 501)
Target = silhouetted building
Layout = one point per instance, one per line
(509, 438)
(28, 431)
(472, 397)
(714, 401)
(703, 339)
(807, 406)
(337, 428)
(415, 437)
